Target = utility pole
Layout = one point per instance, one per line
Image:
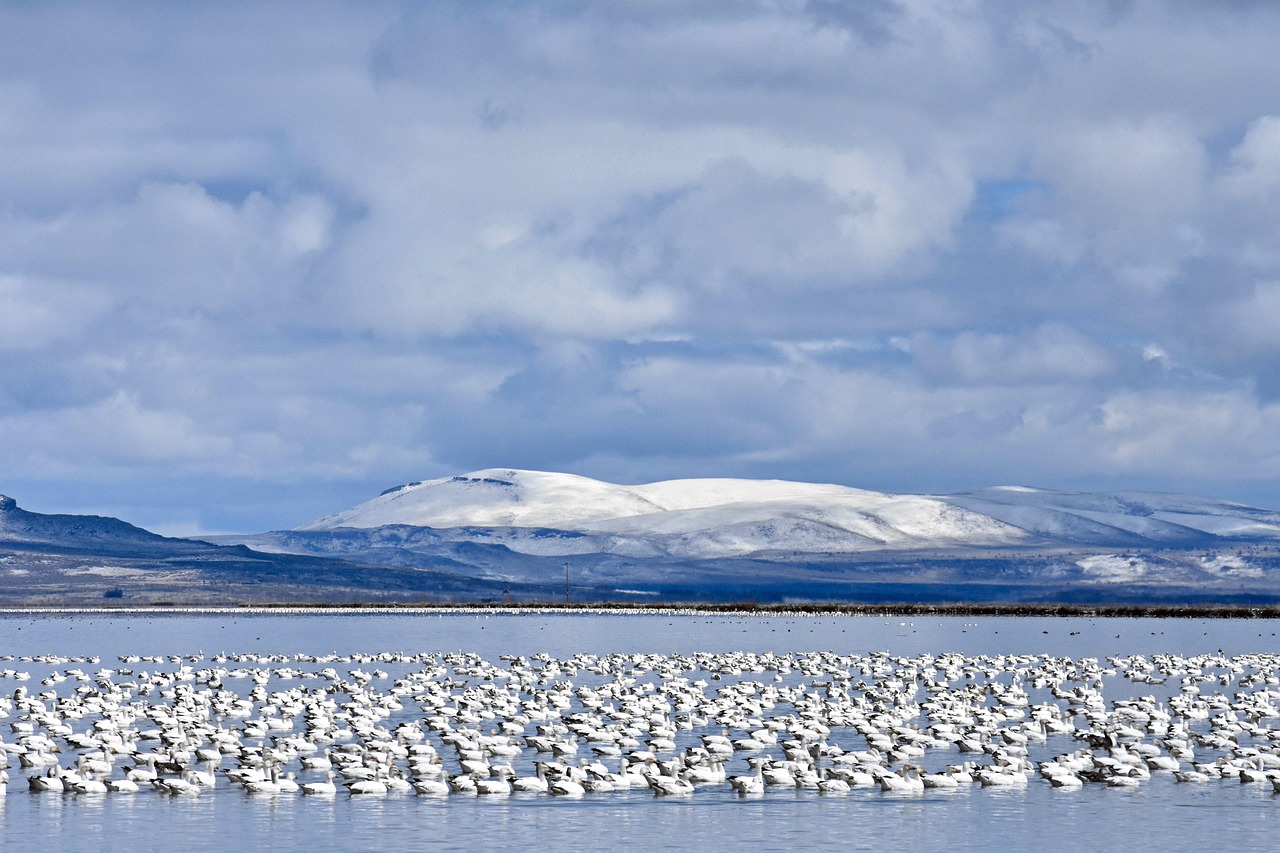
(566, 581)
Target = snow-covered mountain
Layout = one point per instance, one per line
(524, 535)
(1152, 517)
(714, 518)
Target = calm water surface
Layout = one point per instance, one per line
(1161, 814)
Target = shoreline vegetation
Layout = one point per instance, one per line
(915, 609)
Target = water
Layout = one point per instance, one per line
(1160, 812)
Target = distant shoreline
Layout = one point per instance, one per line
(1165, 611)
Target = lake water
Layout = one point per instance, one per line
(1159, 814)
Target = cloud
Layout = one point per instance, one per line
(1254, 164)
(906, 246)
(114, 432)
(1252, 322)
(173, 246)
(849, 224)
(38, 314)
(1043, 355)
(1127, 198)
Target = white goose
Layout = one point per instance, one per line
(906, 781)
(320, 789)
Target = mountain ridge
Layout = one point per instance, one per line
(92, 532)
(539, 537)
(735, 517)
(64, 560)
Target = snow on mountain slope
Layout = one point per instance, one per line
(1229, 526)
(822, 524)
(495, 497)
(697, 494)
(1086, 516)
(727, 517)
(680, 517)
(500, 497)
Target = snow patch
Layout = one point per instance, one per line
(1230, 565)
(1114, 568)
(107, 571)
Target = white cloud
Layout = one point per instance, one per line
(1254, 168)
(1131, 189)
(1043, 355)
(898, 211)
(409, 238)
(1185, 433)
(173, 247)
(1252, 322)
(116, 431)
(37, 314)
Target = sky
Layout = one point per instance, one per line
(261, 261)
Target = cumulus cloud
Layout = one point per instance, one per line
(913, 246)
(1129, 191)
(1042, 355)
(40, 313)
(173, 246)
(1254, 164)
(115, 432)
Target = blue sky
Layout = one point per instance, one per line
(259, 262)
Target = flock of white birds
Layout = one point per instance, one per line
(670, 724)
